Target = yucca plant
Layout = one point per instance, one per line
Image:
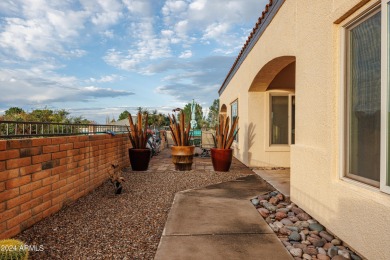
(225, 136)
(180, 135)
(137, 135)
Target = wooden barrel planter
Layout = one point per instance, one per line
(139, 159)
(182, 157)
(221, 159)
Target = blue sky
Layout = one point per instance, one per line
(97, 58)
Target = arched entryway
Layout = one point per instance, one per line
(271, 103)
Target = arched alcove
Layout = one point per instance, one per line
(278, 73)
(223, 109)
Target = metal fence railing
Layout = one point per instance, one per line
(13, 129)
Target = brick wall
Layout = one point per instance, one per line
(40, 175)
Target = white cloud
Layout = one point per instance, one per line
(199, 80)
(217, 20)
(145, 50)
(173, 6)
(140, 7)
(146, 46)
(198, 5)
(183, 76)
(41, 88)
(108, 34)
(229, 11)
(216, 31)
(110, 78)
(187, 92)
(105, 79)
(167, 33)
(103, 13)
(41, 42)
(9, 7)
(186, 54)
(181, 28)
(41, 29)
(64, 22)
(117, 59)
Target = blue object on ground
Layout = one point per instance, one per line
(111, 132)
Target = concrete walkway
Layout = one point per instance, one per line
(279, 179)
(219, 222)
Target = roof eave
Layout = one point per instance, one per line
(264, 20)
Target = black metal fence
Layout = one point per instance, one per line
(15, 129)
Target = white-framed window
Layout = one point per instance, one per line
(281, 123)
(291, 122)
(385, 99)
(234, 111)
(365, 98)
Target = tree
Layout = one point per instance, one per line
(162, 120)
(60, 116)
(152, 118)
(79, 120)
(123, 115)
(198, 114)
(13, 111)
(43, 115)
(212, 117)
(142, 110)
(15, 114)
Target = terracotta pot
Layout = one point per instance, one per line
(221, 159)
(182, 157)
(139, 159)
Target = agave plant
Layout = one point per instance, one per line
(116, 178)
(180, 135)
(225, 136)
(137, 135)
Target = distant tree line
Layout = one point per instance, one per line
(158, 120)
(155, 119)
(202, 121)
(43, 115)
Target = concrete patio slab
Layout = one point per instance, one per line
(236, 246)
(219, 222)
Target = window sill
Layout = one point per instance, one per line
(277, 148)
(360, 184)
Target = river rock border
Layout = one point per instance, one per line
(302, 235)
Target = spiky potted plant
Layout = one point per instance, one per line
(139, 155)
(222, 155)
(116, 178)
(182, 151)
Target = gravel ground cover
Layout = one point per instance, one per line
(102, 225)
(302, 235)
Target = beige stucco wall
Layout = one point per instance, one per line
(251, 105)
(357, 213)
